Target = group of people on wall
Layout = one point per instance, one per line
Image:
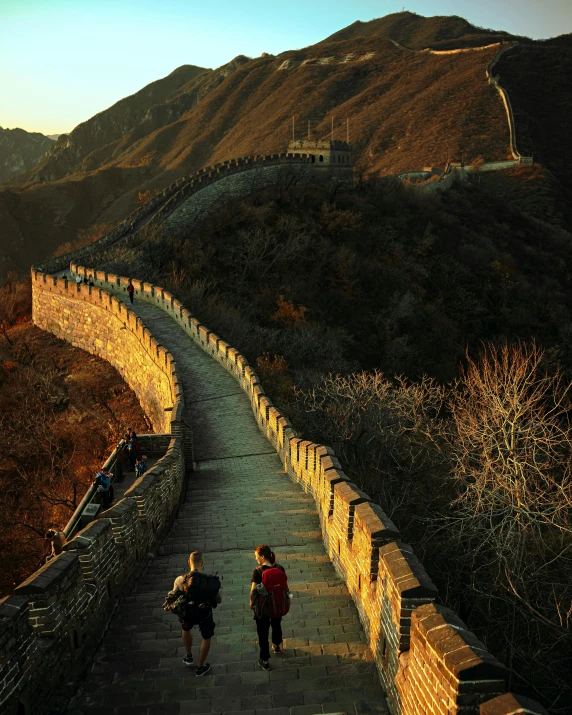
(195, 595)
(129, 453)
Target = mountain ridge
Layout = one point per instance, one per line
(20, 151)
(407, 109)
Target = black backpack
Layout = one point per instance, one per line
(198, 590)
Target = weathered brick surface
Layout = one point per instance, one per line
(96, 321)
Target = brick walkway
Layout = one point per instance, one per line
(238, 497)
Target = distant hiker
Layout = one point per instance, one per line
(270, 600)
(78, 279)
(130, 290)
(192, 599)
(56, 539)
(91, 283)
(140, 466)
(103, 482)
(85, 280)
(131, 444)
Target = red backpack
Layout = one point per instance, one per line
(271, 597)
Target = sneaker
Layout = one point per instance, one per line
(188, 659)
(205, 669)
(263, 665)
(277, 648)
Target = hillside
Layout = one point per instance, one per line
(20, 151)
(418, 32)
(407, 109)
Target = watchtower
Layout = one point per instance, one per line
(331, 153)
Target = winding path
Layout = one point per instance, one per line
(238, 497)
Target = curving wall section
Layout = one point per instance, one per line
(201, 192)
(52, 624)
(96, 321)
(427, 659)
(495, 81)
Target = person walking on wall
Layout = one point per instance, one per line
(140, 466)
(78, 279)
(130, 445)
(202, 594)
(270, 601)
(130, 290)
(103, 481)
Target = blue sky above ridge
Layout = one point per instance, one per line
(62, 61)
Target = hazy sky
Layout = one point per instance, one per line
(62, 61)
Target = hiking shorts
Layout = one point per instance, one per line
(205, 623)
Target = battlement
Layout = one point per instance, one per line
(206, 188)
(428, 661)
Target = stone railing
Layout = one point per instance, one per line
(168, 200)
(91, 504)
(428, 661)
(52, 623)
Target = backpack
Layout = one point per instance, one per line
(272, 596)
(199, 589)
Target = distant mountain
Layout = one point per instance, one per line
(417, 32)
(55, 137)
(407, 109)
(20, 151)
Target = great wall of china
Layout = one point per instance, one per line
(50, 628)
(445, 180)
(53, 624)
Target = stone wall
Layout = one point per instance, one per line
(236, 180)
(495, 81)
(51, 625)
(427, 660)
(95, 321)
(205, 189)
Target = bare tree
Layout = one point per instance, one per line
(512, 453)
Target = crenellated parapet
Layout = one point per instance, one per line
(99, 323)
(427, 659)
(189, 198)
(52, 624)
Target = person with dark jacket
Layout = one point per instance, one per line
(103, 481)
(197, 614)
(265, 620)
